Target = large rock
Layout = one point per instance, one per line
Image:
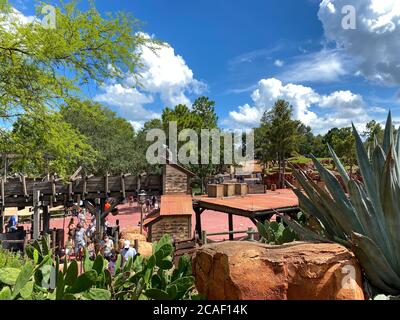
(296, 271)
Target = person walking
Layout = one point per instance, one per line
(127, 252)
(80, 241)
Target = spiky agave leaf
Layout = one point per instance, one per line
(367, 213)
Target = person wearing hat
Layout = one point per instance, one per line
(127, 252)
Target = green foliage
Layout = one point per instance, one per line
(155, 277)
(10, 259)
(343, 142)
(47, 144)
(84, 45)
(140, 278)
(275, 233)
(365, 216)
(47, 68)
(201, 116)
(278, 136)
(113, 138)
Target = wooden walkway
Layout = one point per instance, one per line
(259, 207)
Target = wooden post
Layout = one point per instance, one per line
(230, 221)
(141, 218)
(198, 221)
(36, 214)
(84, 187)
(204, 237)
(1, 219)
(53, 239)
(250, 234)
(2, 208)
(116, 238)
(98, 218)
(136, 245)
(46, 219)
(106, 187)
(123, 186)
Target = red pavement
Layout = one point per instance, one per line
(212, 221)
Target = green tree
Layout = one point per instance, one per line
(142, 145)
(279, 136)
(306, 140)
(41, 67)
(112, 137)
(47, 144)
(373, 131)
(201, 116)
(343, 142)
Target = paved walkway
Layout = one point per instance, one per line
(129, 216)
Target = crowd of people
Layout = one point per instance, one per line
(82, 236)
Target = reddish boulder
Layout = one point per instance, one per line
(296, 271)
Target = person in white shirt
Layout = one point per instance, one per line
(127, 252)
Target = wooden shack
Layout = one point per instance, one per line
(176, 179)
(174, 218)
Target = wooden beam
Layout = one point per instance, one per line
(75, 175)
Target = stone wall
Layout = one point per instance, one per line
(174, 181)
(178, 226)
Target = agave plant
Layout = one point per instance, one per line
(362, 215)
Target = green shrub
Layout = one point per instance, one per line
(41, 278)
(365, 216)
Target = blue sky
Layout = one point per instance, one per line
(246, 54)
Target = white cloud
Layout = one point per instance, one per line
(336, 109)
(129, 101)
(13, 18)
(164, 75)
(374, 44)
(247, 115)
(279, 63)
(323, 66)
(377, 110)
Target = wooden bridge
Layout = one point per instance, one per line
(48, 192)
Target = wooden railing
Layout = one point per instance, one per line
(250, 232)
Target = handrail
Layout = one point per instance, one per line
(250, 234)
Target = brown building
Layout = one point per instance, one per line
(174, 218)
(175, 214)
(176, 179)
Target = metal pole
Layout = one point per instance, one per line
(141, 218)
(230, 221)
